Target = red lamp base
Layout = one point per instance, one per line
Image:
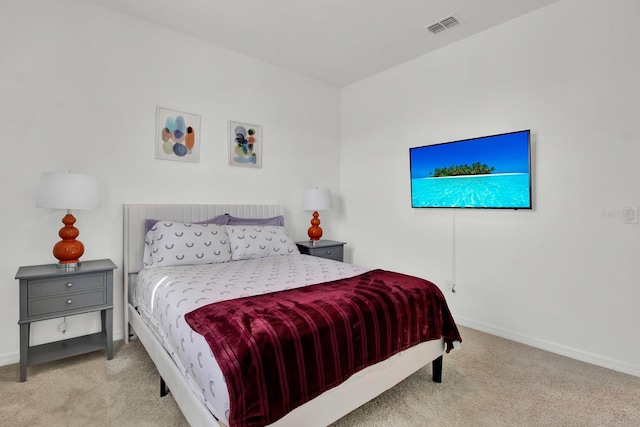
(69, 250)
(315, 232)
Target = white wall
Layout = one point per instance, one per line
(79, 86)
(564, 276)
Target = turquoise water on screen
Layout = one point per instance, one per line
(509, 190)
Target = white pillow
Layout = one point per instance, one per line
(174, 243)
(149, 247)
(251, 241)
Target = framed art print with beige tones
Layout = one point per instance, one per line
(245, 145)
(177, 135)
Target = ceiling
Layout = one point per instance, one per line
(335, 41)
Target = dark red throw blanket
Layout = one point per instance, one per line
(280, 350)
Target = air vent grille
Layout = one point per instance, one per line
(450, 22)
(443, 24)
(436, 28)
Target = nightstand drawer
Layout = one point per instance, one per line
(329, 249)
(63, 303)
(334, 252)
(64, 285)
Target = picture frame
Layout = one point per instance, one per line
(177, 135)
(245, 144)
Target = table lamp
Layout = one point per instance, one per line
(61, 190)
(316, 200)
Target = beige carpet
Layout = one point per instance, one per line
(491, 382)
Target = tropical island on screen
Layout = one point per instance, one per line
(475, 169)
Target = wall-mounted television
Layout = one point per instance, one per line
(489, 172)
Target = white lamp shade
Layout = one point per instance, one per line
(62, 190)
(317, 199)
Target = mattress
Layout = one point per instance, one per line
(164, 295)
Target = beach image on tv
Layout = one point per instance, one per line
(487, 172)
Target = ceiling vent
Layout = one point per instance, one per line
(444, 24)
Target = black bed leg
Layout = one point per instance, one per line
(436, 367)
(164, 390)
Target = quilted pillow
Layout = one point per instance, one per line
(174, 243)
(251, 241)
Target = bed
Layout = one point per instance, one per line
(196, 378)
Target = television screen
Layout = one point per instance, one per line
(487, 172)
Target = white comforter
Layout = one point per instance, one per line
(164, 295)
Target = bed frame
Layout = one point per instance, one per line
(321, 411)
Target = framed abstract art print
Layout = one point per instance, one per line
(177, 135)
(245, 145)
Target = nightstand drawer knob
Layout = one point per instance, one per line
(328, 252)
(69, 301)
(69, 285)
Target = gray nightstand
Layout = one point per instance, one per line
(48, 292)
(322, 248)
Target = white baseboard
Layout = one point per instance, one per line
(594, 359)
(9, 358)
